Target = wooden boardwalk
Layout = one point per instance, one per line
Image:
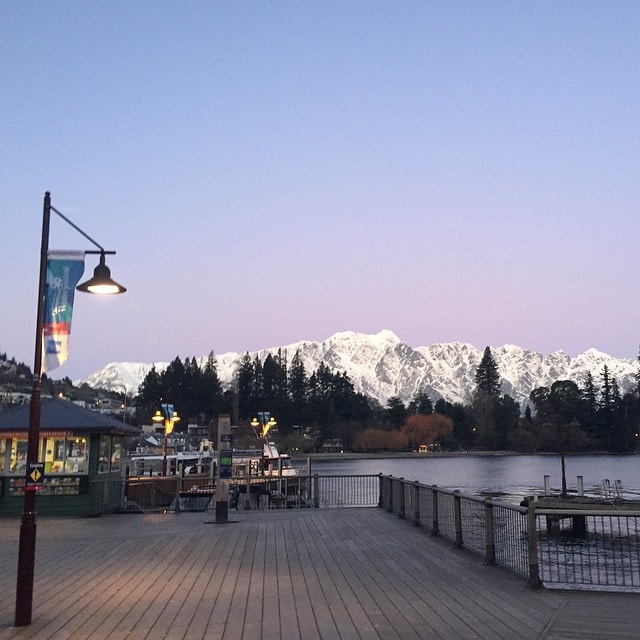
(343, 574)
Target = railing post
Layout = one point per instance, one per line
(435, 529)
(490, 547)
(401, 506)
(534, 581)
(316, 497)
(390, 494)
(457, 516)
(416, 503)
(381, 488)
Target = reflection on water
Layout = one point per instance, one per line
(494, 474)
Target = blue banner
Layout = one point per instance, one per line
(64, 270)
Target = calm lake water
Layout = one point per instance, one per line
(511, 474)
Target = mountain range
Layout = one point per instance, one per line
(382, 366)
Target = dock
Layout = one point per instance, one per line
(330, 574)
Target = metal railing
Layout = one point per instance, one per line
(569, 547)
(158, 493)
(590, 549)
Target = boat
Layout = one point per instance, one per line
(272, 463)
(188, 462)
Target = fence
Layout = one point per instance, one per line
(319, 492)
(569, 548)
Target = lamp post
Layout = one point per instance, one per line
(266, 422)
(562, 437)
(169, 416)
(101, 283)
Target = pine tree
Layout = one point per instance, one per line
(297, 388)
(487, 376)
(422, 404)
(485, 398)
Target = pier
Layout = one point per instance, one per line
(336, 574)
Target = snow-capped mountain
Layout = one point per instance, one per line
(382, 366)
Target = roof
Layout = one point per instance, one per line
(62, 415)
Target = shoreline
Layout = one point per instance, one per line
(438, 454)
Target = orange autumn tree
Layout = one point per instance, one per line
(426, 429)
(379, 440)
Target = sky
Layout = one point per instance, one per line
(276, 171)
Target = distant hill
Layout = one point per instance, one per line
(382, 366)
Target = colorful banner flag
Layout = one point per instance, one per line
(64, 270)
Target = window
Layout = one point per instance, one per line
(18, 464)
(116, 453)
(66, 455)
(3, 455)
(104, 454)
(110, 454)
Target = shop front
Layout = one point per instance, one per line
(81, 451)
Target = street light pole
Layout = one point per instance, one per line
(266, 422)
(169, 416)
(28, 522)
(27, 543)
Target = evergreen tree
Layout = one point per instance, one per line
(396, 412)
(484, 400)
(148, 399)
(421, 404)
(297, 387)
(487, 376)
(245, 386)
(606, 411)
(506, 415)
(588, 416)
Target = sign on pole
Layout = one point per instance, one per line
(225, 462)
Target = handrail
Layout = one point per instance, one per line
(597, 546)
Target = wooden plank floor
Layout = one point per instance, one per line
(343, 574)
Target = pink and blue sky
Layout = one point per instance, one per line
(276, 171)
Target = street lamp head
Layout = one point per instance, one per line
(101, 283)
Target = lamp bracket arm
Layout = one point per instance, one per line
(80, 231)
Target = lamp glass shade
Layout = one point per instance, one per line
(102, 282)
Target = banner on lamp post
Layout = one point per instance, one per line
(64, 270)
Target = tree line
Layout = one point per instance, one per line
(322, 405)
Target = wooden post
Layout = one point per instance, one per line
(180, 470)
(401, 506)
(457, 515)
(533, 581)
(416, 503)
(490, 547)
(435, 529)
(316, 497)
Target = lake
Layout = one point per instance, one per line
(511, 474)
